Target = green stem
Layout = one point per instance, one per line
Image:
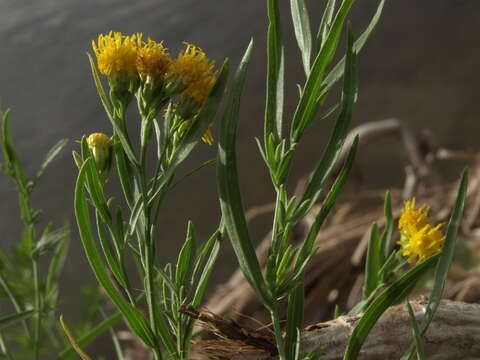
(15, 302)
(4, 349)
(37, 317)
(278, 333)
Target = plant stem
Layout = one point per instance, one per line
(278, 333)
(37, 317)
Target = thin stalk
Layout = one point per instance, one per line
(4, 349)
(15, 302)
(37, 317)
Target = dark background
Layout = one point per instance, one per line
(421, 65)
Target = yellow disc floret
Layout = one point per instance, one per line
(419, 240)
(116, 54)
(152, 59)
(195, 71)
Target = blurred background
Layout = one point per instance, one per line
(420, 65)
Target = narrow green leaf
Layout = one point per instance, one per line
(229, 188)
(294, 318)
(113, 259)
(386, 239)
(416, 333)
(101, 92)
(193, 172)
(372, 266)
(327, 205)
(395, 293)
(134, 317)
(50, 239)
(275, 69)
(340, 132)
(207, 270)
(186, 258)
(325, 24)
(11, 319)
(51, 155)
(301, 25)
(337, 72)
(12, 164)
(56, 264)
(446, 257)
(308, 105)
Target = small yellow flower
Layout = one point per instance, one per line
(116, 54)
(101, 147)
(412, 220)
(153, 59)
(195, 71)
(423, 244)
(419, 240)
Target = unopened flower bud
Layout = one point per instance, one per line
(101, 147)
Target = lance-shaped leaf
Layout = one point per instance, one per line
(337, 139)
(308, 104)
(301, 25)
(229, 188)
(134, 317)
(275, 70)
(395, 293)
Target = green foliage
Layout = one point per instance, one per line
(32, 294)
(152, 298)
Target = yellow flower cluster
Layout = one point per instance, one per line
(419, 239)
(130, 56)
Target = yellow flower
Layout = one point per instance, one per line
(116, 54)
(195, 71)
(423, 244)
(101, 147)
(413, 220)
(152, 59)
(419, 239)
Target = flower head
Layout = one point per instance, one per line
(195, 71)
(116, 54)
(153, 59)
(413, 220)
(101, 147)
(419, 240)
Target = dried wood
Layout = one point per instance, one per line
(453, 334)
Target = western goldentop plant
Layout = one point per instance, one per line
(177, 99)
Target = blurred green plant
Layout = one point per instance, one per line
(33, 294)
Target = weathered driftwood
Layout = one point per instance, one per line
(453, 334)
